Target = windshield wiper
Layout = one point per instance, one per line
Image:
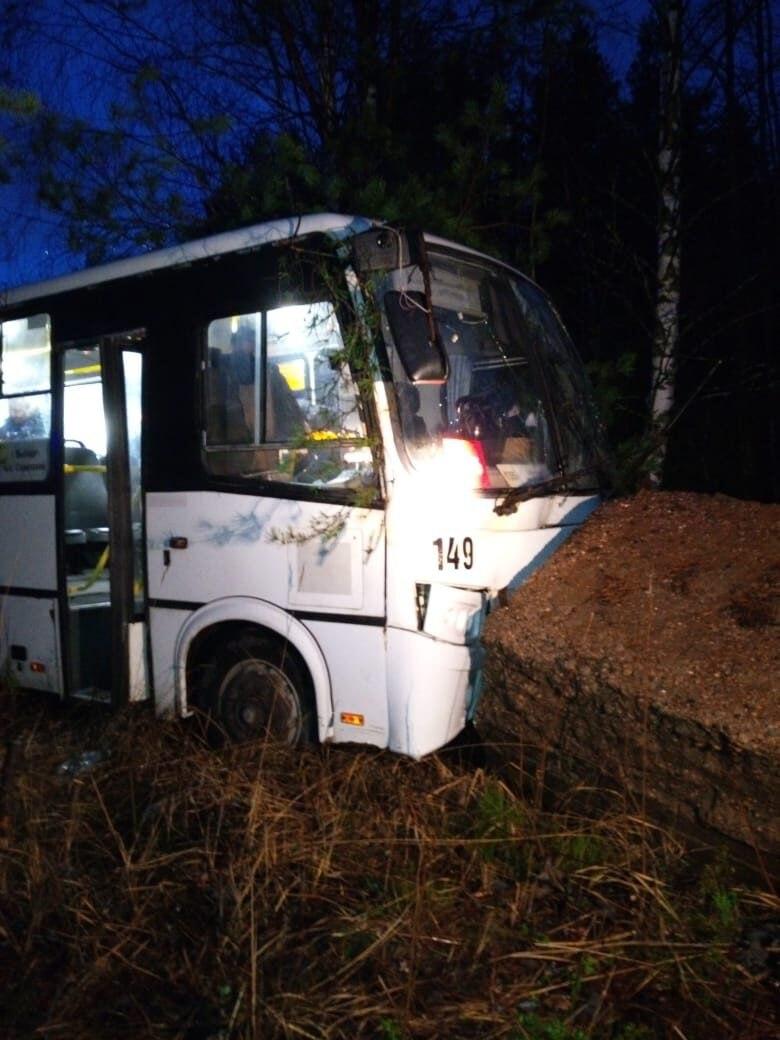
(515, 496)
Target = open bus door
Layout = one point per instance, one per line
(101, 521)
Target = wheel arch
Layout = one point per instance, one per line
(209, 626)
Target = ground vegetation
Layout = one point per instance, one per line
(153, 885)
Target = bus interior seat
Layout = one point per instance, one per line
(86, 507)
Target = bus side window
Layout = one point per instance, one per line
(279, 403)
(25, 398)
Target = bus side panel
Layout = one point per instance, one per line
(29, 642)
(165, 624)
(303, 556)
(29, 633)
(28, 554)
(357, 662)
(314, 561)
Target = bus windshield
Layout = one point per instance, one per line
(513, 409)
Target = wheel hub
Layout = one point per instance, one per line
(257, 700)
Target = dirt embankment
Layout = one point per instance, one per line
(645, 655)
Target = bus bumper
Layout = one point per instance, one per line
(433, 687)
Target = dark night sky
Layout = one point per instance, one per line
(32, 245)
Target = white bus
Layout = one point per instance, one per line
(280, 474)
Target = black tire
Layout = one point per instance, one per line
(258, 690)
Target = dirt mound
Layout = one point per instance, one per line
(648, 648)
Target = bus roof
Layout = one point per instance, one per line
(338, 225)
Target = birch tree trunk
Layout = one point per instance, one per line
(667, 307)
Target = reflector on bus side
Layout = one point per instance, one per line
(351, 718)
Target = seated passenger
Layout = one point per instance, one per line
(24, 421)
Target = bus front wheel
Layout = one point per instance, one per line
(258, 690)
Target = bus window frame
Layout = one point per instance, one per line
(364, 403)
(41, 483)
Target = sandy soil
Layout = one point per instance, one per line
(679, 595)
(669, 600)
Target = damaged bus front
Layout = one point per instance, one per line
(491, 450)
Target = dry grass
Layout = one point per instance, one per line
(177, 891)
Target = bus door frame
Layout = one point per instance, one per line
(123, 611)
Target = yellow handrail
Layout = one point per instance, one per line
(69, 467)
(98, 569)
